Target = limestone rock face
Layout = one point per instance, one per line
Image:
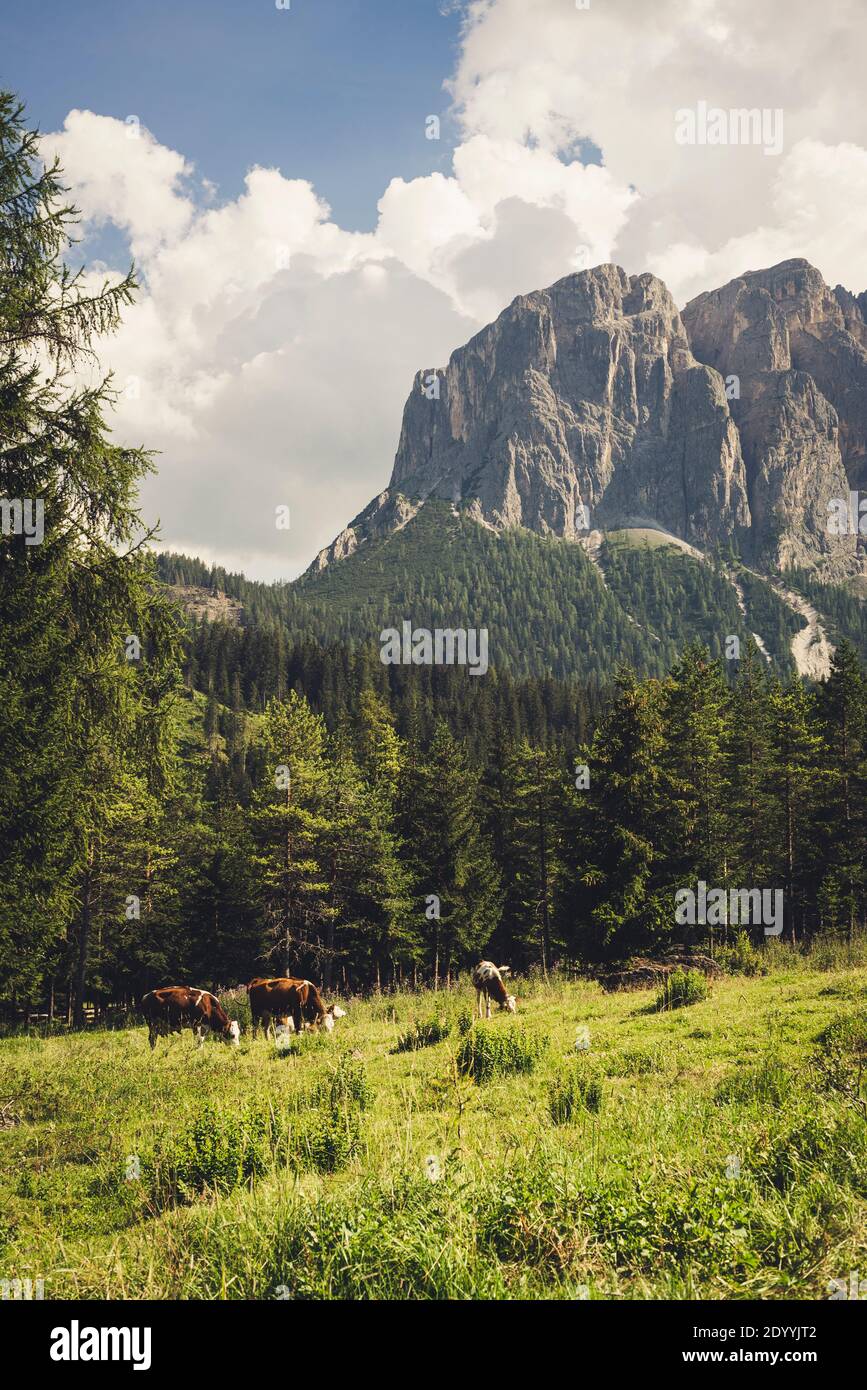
(386, 513)
(585, 395)
(799, 353)
(594, 404)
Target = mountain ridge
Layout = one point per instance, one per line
(596, 405)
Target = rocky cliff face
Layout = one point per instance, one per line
(594, 404)
(799, 353)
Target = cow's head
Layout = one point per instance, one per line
(511, 1004)
(332, 1013)
(232, 1032)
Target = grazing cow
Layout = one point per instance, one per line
(180, 1006)
(488, 981)
(284, 1001)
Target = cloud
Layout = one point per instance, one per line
(119, 174)
(271, 350)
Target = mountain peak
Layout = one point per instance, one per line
(594, 404)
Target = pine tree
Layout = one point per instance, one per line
(794, 763)
(534, 794)
(613, 826)
(842, 708)
(290, 827)
(694, 714)
(452, 860)
(748, 839)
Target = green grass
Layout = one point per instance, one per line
(638, 537)
(347, 1169)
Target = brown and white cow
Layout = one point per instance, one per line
(286, 1002)
(488, 981)
(181, 1006)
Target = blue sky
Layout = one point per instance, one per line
(329, 90)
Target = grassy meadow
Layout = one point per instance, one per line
(715, 1151)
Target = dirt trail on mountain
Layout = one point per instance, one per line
(742, 605)
(811, 650)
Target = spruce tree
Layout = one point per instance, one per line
(842, 708)
(452, 859)
(290, 826)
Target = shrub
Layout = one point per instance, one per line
(682, 987)
(838, 1063)
(327, 1138)
(847, 1034)
(834, 953)
(423, 1035)
(540, 1215)
(218, 1150)
(236, 1002)
(345, 1087)
(743, 958)
(573, 1091)
(832, 1147)
(486, 1053)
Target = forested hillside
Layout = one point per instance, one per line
(549, 609)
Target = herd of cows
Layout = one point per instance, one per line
(289, 1005)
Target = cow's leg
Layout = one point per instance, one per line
(152, 1036)
(297, 1019)
(488, 1004)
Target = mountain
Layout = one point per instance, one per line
(584, 395)
(596, 477)
(596, 405)
(675, 454)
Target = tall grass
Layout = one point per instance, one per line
(715, 1151)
